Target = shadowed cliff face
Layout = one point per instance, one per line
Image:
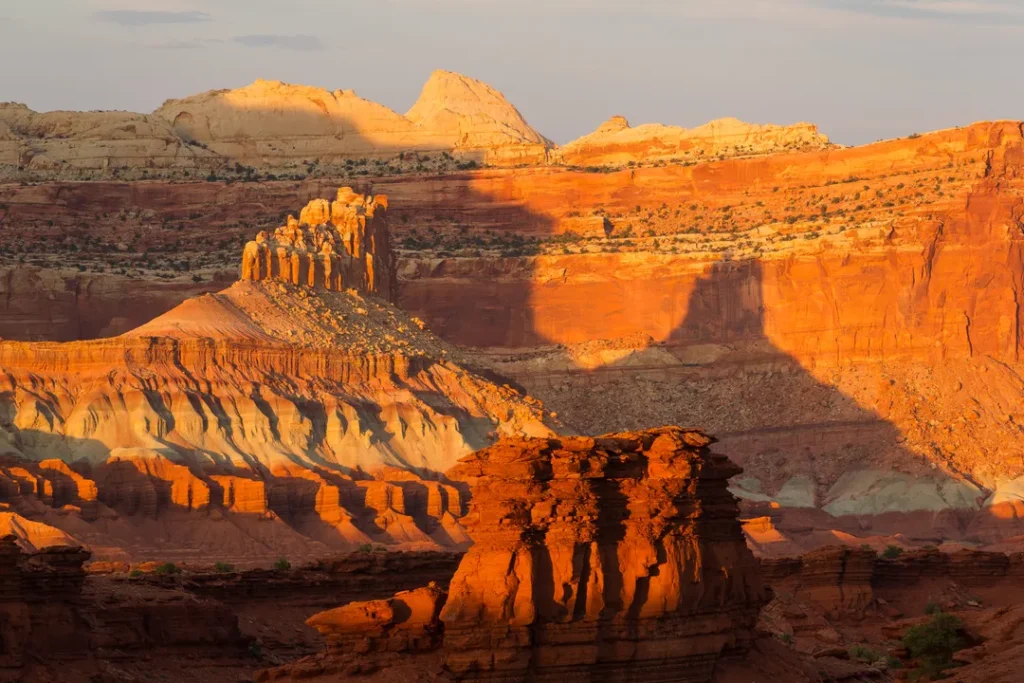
(913, 310)
(823, 459)
(811, 355)
(868, 370)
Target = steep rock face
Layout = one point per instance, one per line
(38, 598)
(838, 579)
(615, 143)
(250, 425)
(599, 557)
(336, 245)
(54, 622)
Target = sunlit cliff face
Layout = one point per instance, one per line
(902, 249)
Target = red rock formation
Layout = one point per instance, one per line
(407, 622)
(58, 624)
(837, 578)
(612, 557)
(335, 245)
(274, 400)
(615, 143)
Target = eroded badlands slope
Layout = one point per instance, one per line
(278, 416)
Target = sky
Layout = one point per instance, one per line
(862, 70)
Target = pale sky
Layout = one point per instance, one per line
(861, 69)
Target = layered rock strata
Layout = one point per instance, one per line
(616, 143)
(616, 557)
(39, 594)
(335, 245)
(56, 623)
(298, 402)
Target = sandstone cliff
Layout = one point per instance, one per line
(618, 556)
(268, 125)
(609, 558)
(616, 143)
(269, 400)
(55, 627)
(848, 321)
(336, 245)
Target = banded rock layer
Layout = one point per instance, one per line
(616, 143)
(309, 407)
(610, 558)
(615, 558)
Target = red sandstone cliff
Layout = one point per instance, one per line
(835, 316)
(269, 404)
(618, 557)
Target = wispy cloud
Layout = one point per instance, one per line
(131, 17)
(300, 42)
(820, 12)
(180, 44)
(976, 12)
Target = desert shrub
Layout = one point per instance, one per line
(932, 608)
(256, 649)
(223, 567)
(135, 573)
(787, 638)
(282, 564)
(933, 643)
(167, 568)
(366, 548)
(892, 552)
(864, 653)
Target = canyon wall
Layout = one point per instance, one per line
(265, 400)
(56, 627)
(846, 320)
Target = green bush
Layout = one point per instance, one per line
(932, 608)
(892, 552)
(135, 573)
(167, 568)
(282, 565)
(256, 649)
(366, 548)
(223, 567)
(933, 643)
(864, 654)
(787, 638)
